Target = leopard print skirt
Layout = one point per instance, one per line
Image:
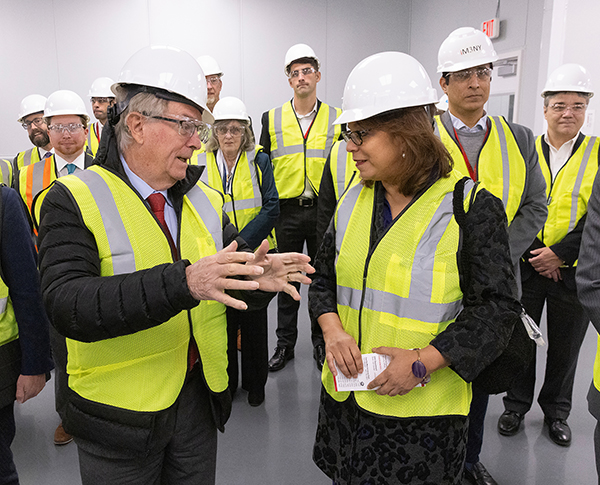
(354, 447)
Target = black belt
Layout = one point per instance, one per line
(301, 201)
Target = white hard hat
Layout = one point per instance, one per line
(464, 48)
(384, 82)
(569, 77)
(442, 104)
(170, 73)
(209, 66)
(296, 52)
(65, 102)
(230, 108)
(101, 88)
(34, 103)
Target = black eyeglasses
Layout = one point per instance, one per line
(355, 136)
(36, 121)
(188, 127)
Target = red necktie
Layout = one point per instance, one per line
(157, 204)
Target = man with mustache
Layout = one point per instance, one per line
(499, 154)
(298, 136)
(31, 118)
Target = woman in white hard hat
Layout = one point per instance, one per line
(238, 168)
(388, 282)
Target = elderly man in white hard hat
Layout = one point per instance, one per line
(101, 98)
(31, 117)
(569, 161)
(298, 136)
(213, 75)
(141, 300)
(498, 153)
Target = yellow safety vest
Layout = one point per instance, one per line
(6, 172)
(93, 139)
(27, 157)
(597, 366)
(567, 196)
(33, 179)
(9, 330)
(245, 201)
(403, 293)
(501, 168)
(343, 169)
(145, 371)
(294, 157)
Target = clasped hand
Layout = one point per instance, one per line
(546, 263)
(209, 277)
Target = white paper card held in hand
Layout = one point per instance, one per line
(373, 365)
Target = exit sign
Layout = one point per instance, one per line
(491, 28)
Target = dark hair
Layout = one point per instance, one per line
(446, 75)
(303, 60)
(548, 95)
(425, 157)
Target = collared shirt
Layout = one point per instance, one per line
(460, 126)
(558, 157)
(145, 190)
(226, 174)
(61, 164)
(100, 126)
(307, 119)
(305, 122)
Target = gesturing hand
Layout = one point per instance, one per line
(280, 270)
(209, 277)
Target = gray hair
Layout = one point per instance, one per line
(145, 103)
(550, 94)
(247, 138)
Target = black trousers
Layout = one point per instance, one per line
(567, 325)
(477, 412)
(253, 325)
(8, 471)
(296, 225)
(187, 455)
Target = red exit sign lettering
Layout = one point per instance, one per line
(491, 28)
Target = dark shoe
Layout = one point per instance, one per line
(479, 475)
(61, 437)
(281, 357)
(319, 356)
(256, 398)
(509, 423)
(559, 431)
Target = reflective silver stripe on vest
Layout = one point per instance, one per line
(210, 217)
(505, 164)
(256, 200)
(123, 258)
(418, 306)
(343, 216)
(342, 155)
(436, 129)
(37, 177)
(3, 303)
(281, 149)
(330, 131)
(202, 163)
(5, 172)
(579, 181)
(27, 157)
